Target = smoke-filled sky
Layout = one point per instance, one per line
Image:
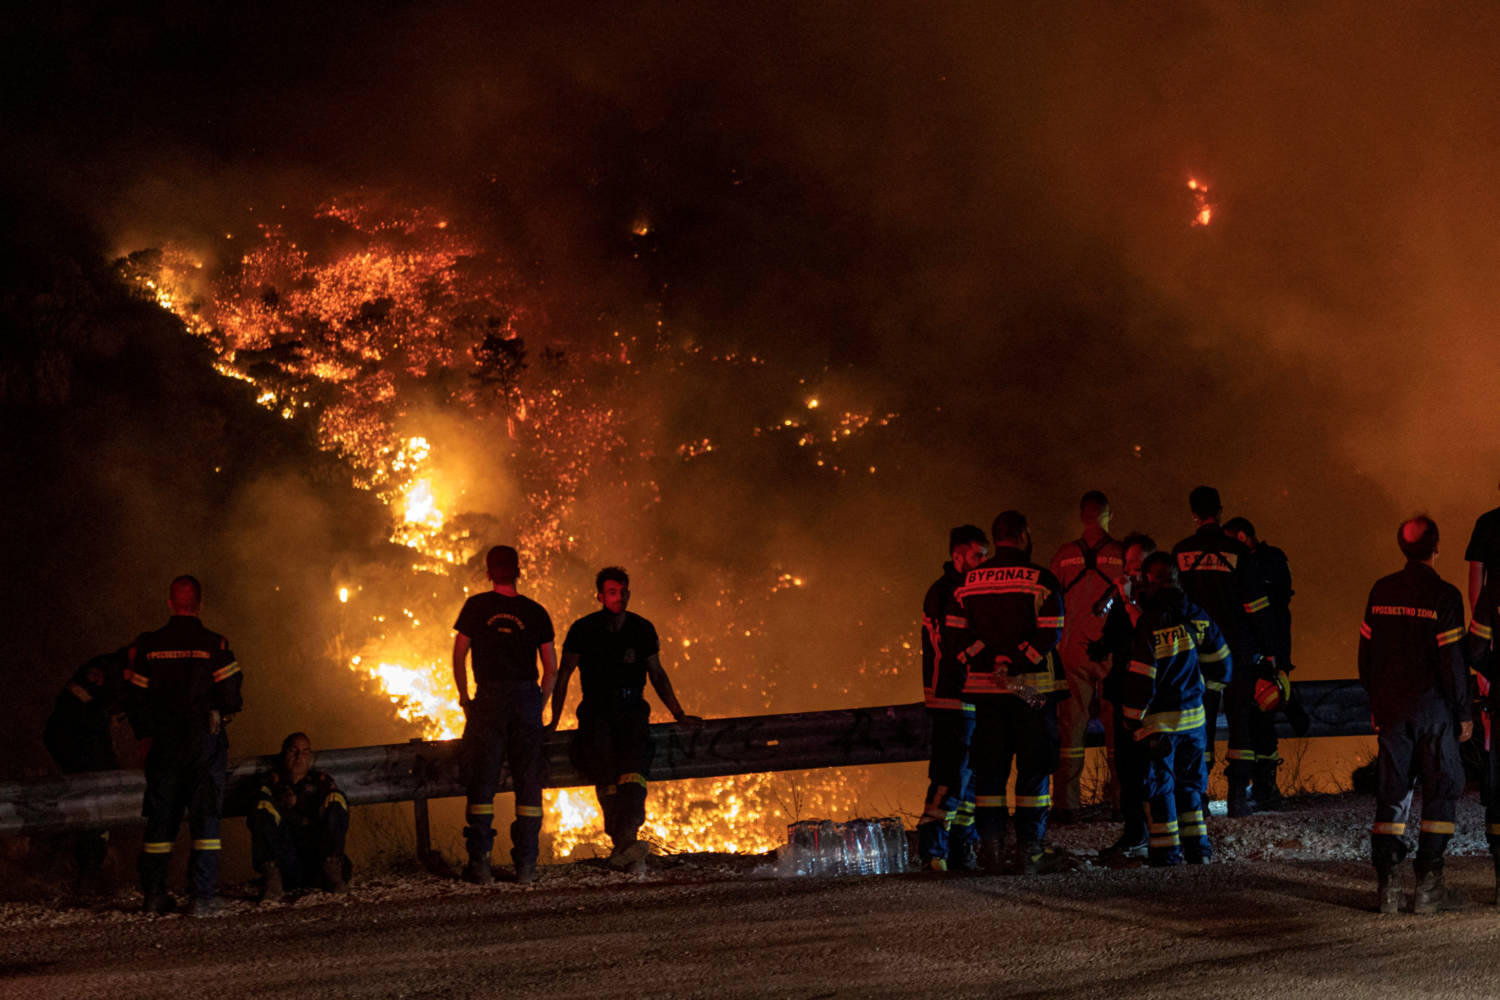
(975, 216)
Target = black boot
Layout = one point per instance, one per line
(1388, 893)
(1037, 859)
(1433, 895)
(964, 856)
(1265, 792)
(1240, 804)
(271, 889)
(478, 871)
(992, 855)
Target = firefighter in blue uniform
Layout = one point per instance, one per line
(1011, 621)
(1176, 647)
(507, 634)
(299, 825)
(616, 652)
(77, 736)
(1217, 575)
(946, 837)
(1271, 689)
(183, 684)
(1411, 663)
(1115, 644)
(1480, 651)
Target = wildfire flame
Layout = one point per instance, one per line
(348, 339)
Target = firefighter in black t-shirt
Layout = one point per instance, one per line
(503, 721)
(1411, 663)
(183, 685)
(1483, 553)
(616, 652)
(78, 738)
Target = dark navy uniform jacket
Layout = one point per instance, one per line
(176, 676)
(1410, 657)
(1176, 647)
(942, 678)
(1218, 575)
(1012, 614)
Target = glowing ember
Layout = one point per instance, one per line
(1204, 209)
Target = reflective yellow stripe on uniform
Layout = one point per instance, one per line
(1449, 637)
(79, 691)
(157, 847)
(1173, 722)
(336, 799)
(266, 805)
(535, 812)
(1482, 631)
(1144, 669)
(1364, 629)
(139, 680)
(955, 621)
(1213, 657)
(1436, 826)
(1033, 801)
(224, 672)
(1259, 604)
(1030, 651)
(990, 802)
(1389, 829)
(207, 844)
(1192, 823)
(481, 809)
(639, 779)
(1074, 753)
(1050, 622)
(1235, 754)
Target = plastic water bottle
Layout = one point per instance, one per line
(856, 860)
(830, 849)
(894, 834)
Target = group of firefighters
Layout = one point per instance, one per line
(180, 684)
(1017, 659)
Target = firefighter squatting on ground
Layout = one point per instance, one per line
(1017, 659)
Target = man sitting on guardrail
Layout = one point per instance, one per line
(299, 825)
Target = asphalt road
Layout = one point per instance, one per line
(1266, 929)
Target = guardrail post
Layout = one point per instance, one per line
(424, 827)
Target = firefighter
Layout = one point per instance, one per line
(1122, 611)
(1412, 666)
(1483, 553)
(1480, 651)
(507, 633)
(946, 836)
(1275, 575)
(77, 736)
(616, 652)
(183, 685)
(1217, 575)
(299, 825)
(1175, 648)
(1088, 567)
(1010, 621)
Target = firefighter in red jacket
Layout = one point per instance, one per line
(1412, 665)
(1011, 620)
(946, 836)
(1088, 568)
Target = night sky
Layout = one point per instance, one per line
(975, 216)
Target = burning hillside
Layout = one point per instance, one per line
(406, 346)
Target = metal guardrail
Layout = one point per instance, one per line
(417, 771)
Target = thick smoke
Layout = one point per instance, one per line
(977, 220)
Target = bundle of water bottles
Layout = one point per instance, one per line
(858, 847)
